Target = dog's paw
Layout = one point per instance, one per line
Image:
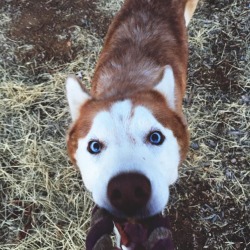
(101, 227)
(104, 243)
(160, 239)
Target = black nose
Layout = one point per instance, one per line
(129, 192)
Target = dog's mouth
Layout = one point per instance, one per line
(131, 215)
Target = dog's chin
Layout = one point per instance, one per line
(138, 215)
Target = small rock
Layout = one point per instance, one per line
(195, 145)
(212, 143)
(235, 132)
(238, 245)
(233, 160)
(245, 99)
(206, 164)
(228, 174)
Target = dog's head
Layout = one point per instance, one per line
(128, 150)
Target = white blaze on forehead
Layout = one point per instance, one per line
(124, 133)
(112, 125)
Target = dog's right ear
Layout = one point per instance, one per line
(77, 95)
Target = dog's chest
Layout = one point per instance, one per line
(119, 241)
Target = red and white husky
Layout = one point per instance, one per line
(129, 134)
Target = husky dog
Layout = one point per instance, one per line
(129, 135)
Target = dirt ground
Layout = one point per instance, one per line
(43, 201)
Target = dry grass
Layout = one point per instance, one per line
(43, 202)
(41, 194)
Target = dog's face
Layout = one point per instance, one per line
(128, 151)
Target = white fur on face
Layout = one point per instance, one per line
(124, 133)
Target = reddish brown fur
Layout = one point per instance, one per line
(169, 119)
(144, 37)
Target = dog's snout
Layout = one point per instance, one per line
(129, 192)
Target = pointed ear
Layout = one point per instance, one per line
(167, 86)
(76, 95)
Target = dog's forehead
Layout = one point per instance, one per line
(123, 117)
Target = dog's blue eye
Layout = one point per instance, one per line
(94, 147)
(156, 138)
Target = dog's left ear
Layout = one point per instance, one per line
(167, 86)
(77, 95)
